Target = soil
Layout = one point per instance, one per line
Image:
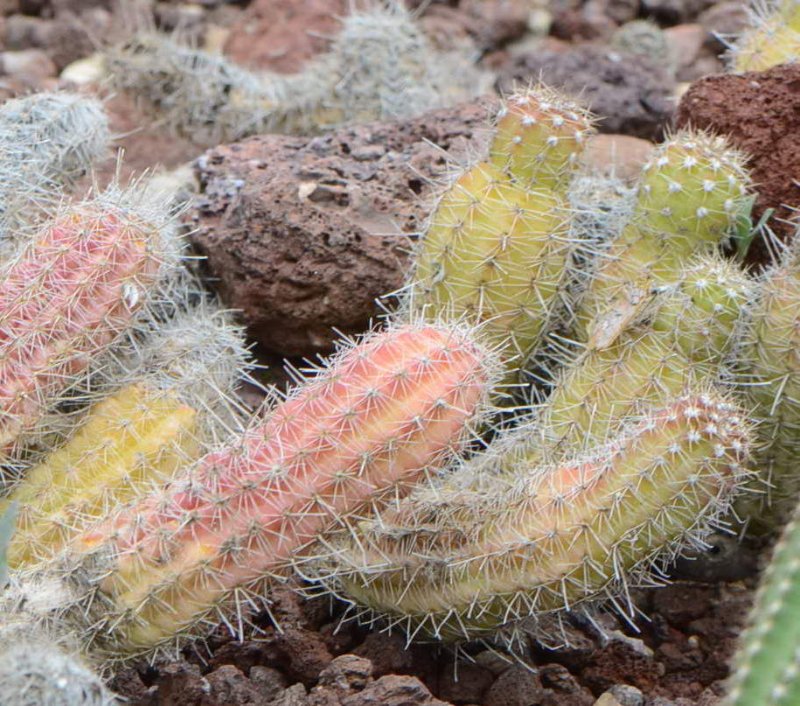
(677, 655)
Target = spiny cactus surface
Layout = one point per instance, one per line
(461, 566)
(770, 380)
(47, 142)
(133, 441)
(765, 669)
(35, 671)
(539, 137)
(67, 297)
(691, 195)
(773, 37)
(496, 254)
(685, 335)
(383, 414)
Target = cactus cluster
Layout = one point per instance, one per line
(150, 505)
(385, 412)
(379, 66)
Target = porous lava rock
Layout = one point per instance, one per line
(301, 235)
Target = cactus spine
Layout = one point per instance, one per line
(772, 39)
(67, 297)
(497, 249)
(557, 536)
(765, 669)
(386, 411)
(47, 142)
(690, 196)
(771, 382)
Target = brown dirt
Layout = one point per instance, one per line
(678, 657)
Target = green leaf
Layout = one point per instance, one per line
(8, 523)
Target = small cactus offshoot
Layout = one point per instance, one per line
(539, 137)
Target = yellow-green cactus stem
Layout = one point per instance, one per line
(135, 439)
(765, 670)
(691, 195)
(770, 380)
(539, 138)
(772, 39)
(496, 255)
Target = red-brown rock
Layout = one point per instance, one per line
(281, 35)
(302, 235)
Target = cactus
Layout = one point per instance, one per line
(203, 97)
(47, 142)
(457, 566)
(538, 138)
(645, 38)
(36, 672)
(68, 296)
(498, 247)
(690, 196)
(765, 667)
(772, 39)
(385, 411)
(770, 381)
(497, 254)
(178, 401)
(380, 66)
(689, 330)
(134, 440)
